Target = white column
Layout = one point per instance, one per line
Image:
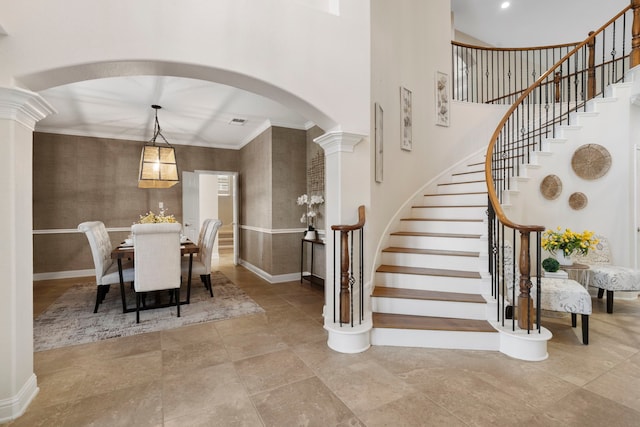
(19, 112)
(347, 186)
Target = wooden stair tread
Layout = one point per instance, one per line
(468, 172)
(449, 206)
(421, 234)
(455, 194)
(401, 321)
(420, 294)
(463, 182)
(428, 271)
(430, 251)
(441, 219)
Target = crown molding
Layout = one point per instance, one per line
(23, 106)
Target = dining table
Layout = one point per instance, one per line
(126, 251)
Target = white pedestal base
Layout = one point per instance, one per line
(347, 339)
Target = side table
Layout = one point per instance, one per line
(311, 277)
(577, 272)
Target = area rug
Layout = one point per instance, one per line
(70, 319)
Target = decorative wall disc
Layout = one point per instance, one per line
(551, 187)
(591, 161)
(578, 201)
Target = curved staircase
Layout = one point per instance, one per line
(430, 289)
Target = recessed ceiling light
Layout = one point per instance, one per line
(505, 5)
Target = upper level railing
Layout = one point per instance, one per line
(579, 75)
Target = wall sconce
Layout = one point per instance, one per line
(158, 167)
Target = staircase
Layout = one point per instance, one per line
(430, 289)
(225, 239)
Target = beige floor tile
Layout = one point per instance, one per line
(621, 384)
(138, 406)
(39, 416)
(365, 385)
(305, 403)
(415, 410)
(584, 409)
(253, 344)
(61, 386)
(193, 391)
(240, 413)
(194, 356)
(272, 370)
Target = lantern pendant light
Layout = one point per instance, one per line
(158, 167)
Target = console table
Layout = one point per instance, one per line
(311, 277)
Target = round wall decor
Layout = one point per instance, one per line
(578, 201)
(591, 161)
(551, 187)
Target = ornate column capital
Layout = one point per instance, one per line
(338, 141)
(23, 106)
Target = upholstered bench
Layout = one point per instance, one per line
(564, 295)
(569, 296)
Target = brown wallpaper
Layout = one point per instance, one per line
(78, 179)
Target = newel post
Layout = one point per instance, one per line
(591, 73)
(635, 34)
(526, 313)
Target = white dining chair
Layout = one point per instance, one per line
(106, 268)
(157, 260)
(201, 264)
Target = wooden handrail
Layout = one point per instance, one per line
(515, 49)
(489, 156)
(525, 303)
(353, 227)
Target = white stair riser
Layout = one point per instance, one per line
(479, 212)
(455, 199)
(446, 262)
(431, 242)
(416, 307)
(467, 187)
(434, 283)
(436, 339)
(462, 227)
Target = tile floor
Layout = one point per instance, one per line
(275, 369)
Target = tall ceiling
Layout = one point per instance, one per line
(197, 112)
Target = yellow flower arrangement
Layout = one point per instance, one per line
(568, 241)
(150, 218)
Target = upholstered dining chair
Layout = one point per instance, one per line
(605, 276)
(106, 268)
(202, 262)
(157, 260)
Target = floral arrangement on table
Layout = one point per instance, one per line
(312, 208)
(568, 241)
(150, 218)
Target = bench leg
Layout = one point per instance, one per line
(585, 329)
(600, 293)
(609, 301)
(573, 320)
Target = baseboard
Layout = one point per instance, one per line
(64, 274)
(290, 277)
(13, 407)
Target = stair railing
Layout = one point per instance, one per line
(583, 73)
(344, 304)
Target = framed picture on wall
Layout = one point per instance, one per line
(378, 141)
(442, 99)
(406, 120)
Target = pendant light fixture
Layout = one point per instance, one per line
(158, 167)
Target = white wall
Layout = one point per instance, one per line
(281, 49)
(611, 198)
(410, 42)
